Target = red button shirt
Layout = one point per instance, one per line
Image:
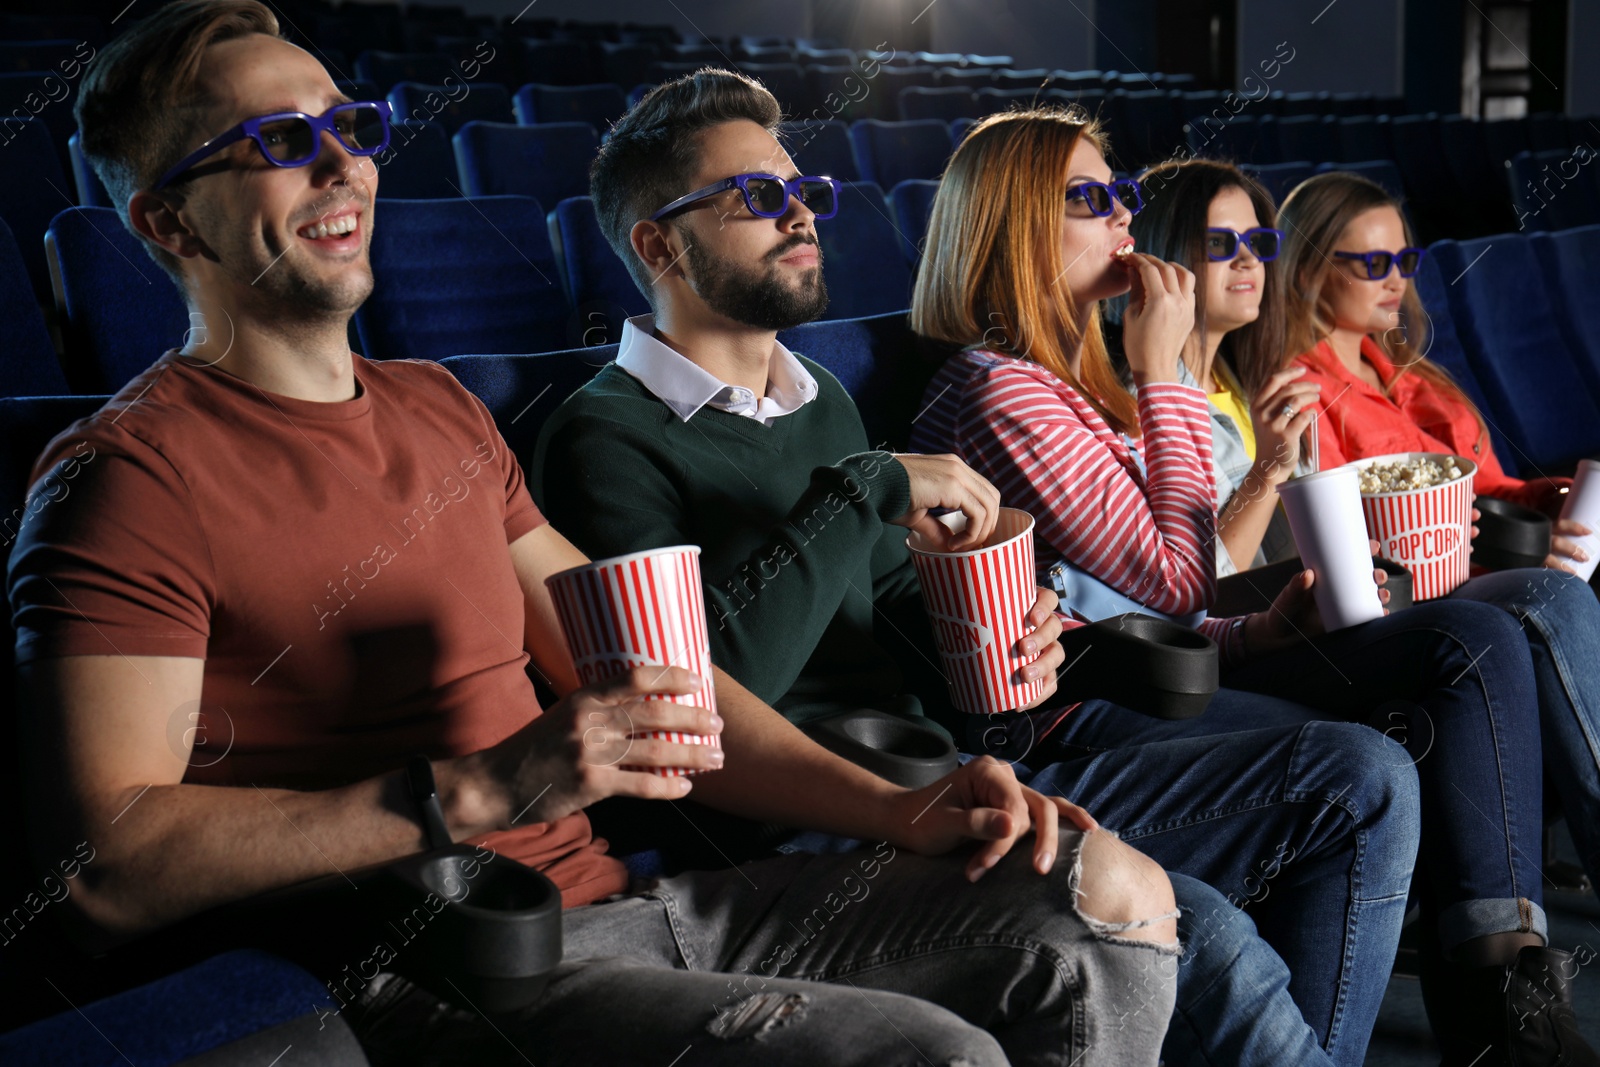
(1358, 421)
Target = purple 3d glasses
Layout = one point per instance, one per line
(767, 195)
(1379, 264)
(294, 139)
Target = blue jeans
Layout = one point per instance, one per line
(872, 957)
(1312, 826)
(1453, 680)
(1560, 617)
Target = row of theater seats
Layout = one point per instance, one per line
(561, 63)
(1512, 315)
(1467, 190)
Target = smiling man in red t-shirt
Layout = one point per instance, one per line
(322, 564)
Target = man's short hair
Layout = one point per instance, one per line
(139, 103)
(654, 150)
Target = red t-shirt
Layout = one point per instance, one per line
(341, 567)
(1359, 421)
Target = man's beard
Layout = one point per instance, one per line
(304, 293)
(759, 300)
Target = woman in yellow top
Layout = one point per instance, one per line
(1217, 221)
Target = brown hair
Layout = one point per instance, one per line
(653, 150)
(992, 273)
(139, 102)
(1173, 226)
(1314, 215)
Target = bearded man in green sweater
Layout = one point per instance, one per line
(707, 431)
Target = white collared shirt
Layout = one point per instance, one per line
(686, 387)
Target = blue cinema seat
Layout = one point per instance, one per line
(547, 162)
(863, 266)
(1365, 137)
(462, 275)
(420, 102)
(1240, 139)
(1311, 137)
(23, 95)
(419, 163)
(521, 391)
(626, 64)
(237, 1008)
(1279, 179)
(28, 365)
(602, 291)
(1381, 171)
(1443, 349)
(1554, 190)
(91, 193)
(785, 81)
(33, 188)
(821, 147)
(946, 104)
(911, 204)
(888, 153)
(385, 69)
(1532, 381)
(1570, 261)
(874, 359)
(558, 63)
(1152, 124)
(598, 105)
(119, 310)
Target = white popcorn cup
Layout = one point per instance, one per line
(645, 608)
(1324, 512)
(978, 601)
(1428, 530)
(1583, 505)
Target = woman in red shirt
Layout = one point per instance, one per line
(1360, 331)
(1028, 235)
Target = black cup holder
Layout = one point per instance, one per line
(472, 927)
(1143, 663)
(1509, 535)
(1398, 583)
(487, 932)
(901, 750)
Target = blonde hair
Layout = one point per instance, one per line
(992, 274)
(1314, 215)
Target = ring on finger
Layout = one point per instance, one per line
(1288, 410)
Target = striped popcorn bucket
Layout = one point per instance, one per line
(1429, 530)
(634, 610)
(978, 601)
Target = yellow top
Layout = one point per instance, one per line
(1232, 405)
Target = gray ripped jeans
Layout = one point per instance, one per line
(877, 957)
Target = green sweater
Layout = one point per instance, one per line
(811, 599)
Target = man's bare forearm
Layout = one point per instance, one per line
(165, 850)
(775, 773)
(173, 851)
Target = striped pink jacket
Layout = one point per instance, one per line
(1150, 535)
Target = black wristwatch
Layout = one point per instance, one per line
(425, 794)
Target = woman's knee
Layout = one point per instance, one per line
(1371, 768)
(1125, 892)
